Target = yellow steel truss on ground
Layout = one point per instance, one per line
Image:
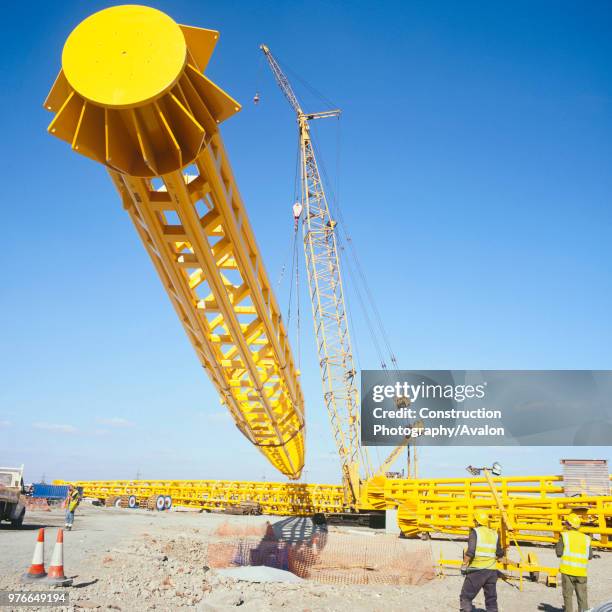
(275, 497)
(131, 95)
(535, 504)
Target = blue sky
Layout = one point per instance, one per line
(473, 156)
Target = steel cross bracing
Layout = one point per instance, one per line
(154, 125)
(200, 241)
(338, 374)
(536, 505)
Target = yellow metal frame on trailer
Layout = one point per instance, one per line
(535, 505)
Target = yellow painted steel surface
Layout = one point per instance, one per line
(140, 48)
(131, 95)
(535, 504)
(275, 497)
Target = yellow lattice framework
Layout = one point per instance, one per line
(535, 505)
(152, 118)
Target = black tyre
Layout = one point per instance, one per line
(160, 503)
(167, 502)
(18, 522)
(132, 502)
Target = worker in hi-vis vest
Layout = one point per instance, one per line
(574, 548)
(73, 499)
(480, 564)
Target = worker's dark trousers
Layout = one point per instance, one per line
(485, 579)
(569, 584)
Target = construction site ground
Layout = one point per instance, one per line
(140, 560)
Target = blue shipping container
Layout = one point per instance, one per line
(50, 491)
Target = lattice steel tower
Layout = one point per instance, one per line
(338, 372)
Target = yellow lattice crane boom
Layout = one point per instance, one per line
(132, 95)
(335, 353)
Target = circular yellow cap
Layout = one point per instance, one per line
(124, 56)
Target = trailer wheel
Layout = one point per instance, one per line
(111, 501)
(534, 576)
(132, 502)
(18, 522)
(167, 502)
(160, 503)
(117, 503)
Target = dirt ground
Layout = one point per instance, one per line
(139, 560)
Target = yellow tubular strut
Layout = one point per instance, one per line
(131, 95)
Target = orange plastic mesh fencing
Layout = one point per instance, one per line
(234, 529)
(349, 559)
(334, 558)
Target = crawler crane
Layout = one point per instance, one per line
(329, 309)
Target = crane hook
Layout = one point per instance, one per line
(297, 213)
(256, 98)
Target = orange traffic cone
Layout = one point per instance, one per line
(37, 569)
(56, 569)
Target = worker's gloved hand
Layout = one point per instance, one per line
(464, 567)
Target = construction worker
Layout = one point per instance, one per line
(72, 501)
(575, 550)
(479, 564)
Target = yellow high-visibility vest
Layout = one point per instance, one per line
(486, 549)
(575, 553)
(73, 502)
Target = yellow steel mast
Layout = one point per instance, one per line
(131, 95)
(338, 373)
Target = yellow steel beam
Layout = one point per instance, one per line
(536, 516)
(131, 95)
(275, 498)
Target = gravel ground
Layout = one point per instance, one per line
(139, 560)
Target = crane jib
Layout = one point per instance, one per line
(328, 303)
